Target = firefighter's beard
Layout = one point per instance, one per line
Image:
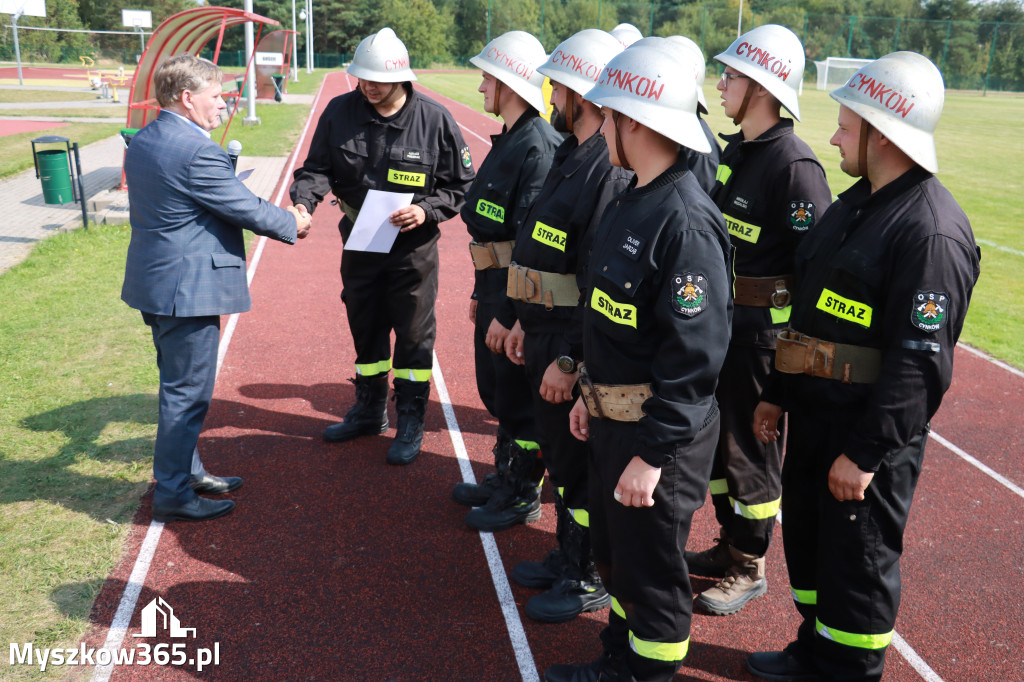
(558, 121)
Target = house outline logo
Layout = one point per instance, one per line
(169, 621)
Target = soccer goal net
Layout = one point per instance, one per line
(835, 71)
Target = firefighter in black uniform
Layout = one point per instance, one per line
(387, 136)
(770, 189)
(546, 333)
(496, 207)
(885, 281)
(703, 166)
(655, 330)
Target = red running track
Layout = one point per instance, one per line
(335, 566)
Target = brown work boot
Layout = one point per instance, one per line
(713, 562)
(743, 581)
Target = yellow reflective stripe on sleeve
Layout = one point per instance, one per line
(529, 445)
(406, 178)
(374, 368)
(581, 516)
(619, 313)
(421, 375)
(805, 597)
(853, 639)
(549, 236)
(844, 308)
(617, 609)
(659, 651)
(718, 486)
(765, 510)
(780, 315)
(489, 210)
(741, 230)
(723, 173)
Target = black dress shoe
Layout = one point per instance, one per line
(199, 509)
(780, 665)
(208, 484)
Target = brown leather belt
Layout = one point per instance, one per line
(491, 255)
(764, 292)
(619, 402)
(797, 353)
(549, 289)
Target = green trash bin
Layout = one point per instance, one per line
(243, 90)
(55, 174)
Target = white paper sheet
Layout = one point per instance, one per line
(373, 231)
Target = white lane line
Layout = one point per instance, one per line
(997, 363)
(130, 596)
(985, 469)
(999, 247)
(520, 644)
(922, 668)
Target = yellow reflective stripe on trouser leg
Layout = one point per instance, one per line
(659, 651)
(780, 315)
(421, 375)
(581, 516)
(765, 510)
(853, 639)
(718, 486)
(374, 368)
(805, 597)
(529, 445)
(617, 608)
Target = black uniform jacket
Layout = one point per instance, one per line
(658, 306)
(560, 227)
(772, 190)
(355, 149)
(893, 270)
(509, 180)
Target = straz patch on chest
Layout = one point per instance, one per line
(632, 245)
(489, 210)
(689, 294)
(549, 236)
(619, 313)
(741, 230)
(929, 311)
(844, 308)
(406, 178)
(801, 215)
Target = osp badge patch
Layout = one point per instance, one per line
(929, 311)
(690, 296)
(801, 215)
(467, 160)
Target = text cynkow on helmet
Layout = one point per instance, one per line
(395, 64)
(579, 65)
(514, 64)
(887, 96)
(765, 60)
(634, 83)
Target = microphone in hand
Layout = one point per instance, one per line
(234, 151)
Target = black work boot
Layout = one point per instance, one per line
(411, 405)
(368, 416)
(579, 591)
(714, 561)
(611, 667)
(516, 501)
(477, 494)
(545, 573)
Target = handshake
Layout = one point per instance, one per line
(302, 220)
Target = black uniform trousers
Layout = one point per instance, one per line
(746, 477)
(565, 456)
(392, 291)
(502, 384)
(639, 550)
(843, 557)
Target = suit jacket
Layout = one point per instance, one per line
(186, 257)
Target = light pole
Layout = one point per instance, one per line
(250, 77)
(309, 36)
(295, 48)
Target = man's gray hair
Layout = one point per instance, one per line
(183, 72)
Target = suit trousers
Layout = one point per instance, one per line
(843, 557)
(186, 355)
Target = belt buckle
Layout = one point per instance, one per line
(783, 294)
(591, 391)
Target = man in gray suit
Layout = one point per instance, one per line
(186, 268)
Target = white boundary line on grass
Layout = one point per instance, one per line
(130, 596)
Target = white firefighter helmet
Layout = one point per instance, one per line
(773, 56)
(901, 95)
(513, 59)
(646, 84)
(382, 58)
(578, 60)
(627, 34)
(694, 58)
